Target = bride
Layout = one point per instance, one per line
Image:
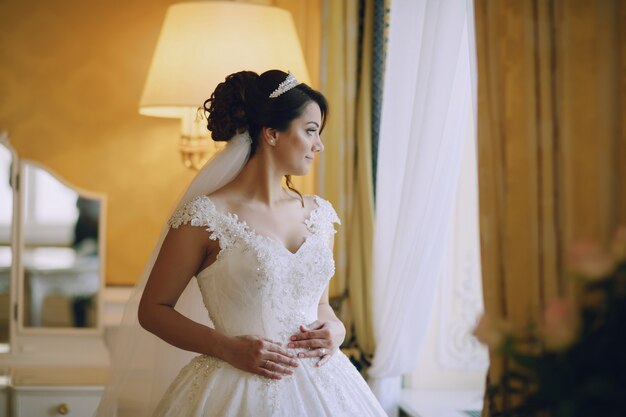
(256, 321)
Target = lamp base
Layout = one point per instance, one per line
(195, 150)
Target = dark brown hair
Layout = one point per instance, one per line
(242, 102)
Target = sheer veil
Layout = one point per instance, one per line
(142, 365)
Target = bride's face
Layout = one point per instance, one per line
(296, 147)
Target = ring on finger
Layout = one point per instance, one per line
(266, 362)
(323, 351)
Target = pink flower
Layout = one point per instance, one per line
(589, 260)
(490, 332)
(560, 325)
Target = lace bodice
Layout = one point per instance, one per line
(256, 285)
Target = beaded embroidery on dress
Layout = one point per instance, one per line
(258, 286)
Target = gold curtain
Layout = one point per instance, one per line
(551, 144)
(345, 173)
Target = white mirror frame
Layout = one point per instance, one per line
(4, 140)
(64, 344)
(99, 328)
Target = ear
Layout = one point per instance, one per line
(269, 135)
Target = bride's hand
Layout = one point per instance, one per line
(259, 356)
(323, 338)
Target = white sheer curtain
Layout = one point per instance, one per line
(427, 99)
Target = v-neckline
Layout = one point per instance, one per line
(234, 217)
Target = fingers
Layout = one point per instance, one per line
(323, 354)
(275, 361)
(283, 360)
(262, 356)
(268, 374)
(272, 341)
(312, 339)
(276, 368)
(313, 334)
(279, 350)
(314, 353)
(271, 368)
(324, 359)
(317, 324)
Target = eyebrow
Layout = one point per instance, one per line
(315, 123)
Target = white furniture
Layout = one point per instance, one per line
(4, 394)
(50, 367)
(55, 391)
(441, 403)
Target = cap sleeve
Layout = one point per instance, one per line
(323, 218)
(197, 212)
(327, 210)
(201, 212)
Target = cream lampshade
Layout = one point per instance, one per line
(199, 45)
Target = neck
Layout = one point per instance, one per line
(259, 180)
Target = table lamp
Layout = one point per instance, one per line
(199, 45)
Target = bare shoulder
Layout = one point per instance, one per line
(224, 198)
(310, 202)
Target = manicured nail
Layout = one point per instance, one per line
(291, 345)
(293, 338)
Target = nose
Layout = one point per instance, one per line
(318, 146)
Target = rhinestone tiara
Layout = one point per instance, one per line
(289, 83)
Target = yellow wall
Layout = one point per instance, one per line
(71, 74)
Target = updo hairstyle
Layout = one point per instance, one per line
(242, 103)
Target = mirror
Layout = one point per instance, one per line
(7, 264)
(61, 261)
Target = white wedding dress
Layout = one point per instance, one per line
(257, 286)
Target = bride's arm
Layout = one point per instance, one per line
(326, 313)
(182, 254)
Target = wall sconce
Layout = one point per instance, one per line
(199, 45)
